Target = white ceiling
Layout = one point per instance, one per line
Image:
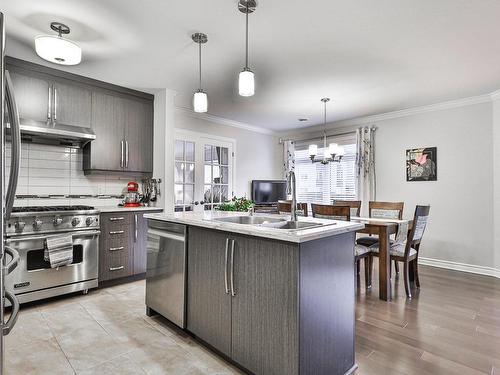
(368, 56)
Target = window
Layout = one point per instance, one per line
(184, 175)
(318, 183)
(216, 188)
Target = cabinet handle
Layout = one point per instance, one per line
(233, 291)
(126, 154)
(117, 232)
(225, 267)
(121, 157)
(116, 218)
(116, 268)
(55, 104)
(49, 112)
(135, 232)
(116, 248)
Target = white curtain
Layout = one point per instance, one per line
(288, 157)
(366, 166)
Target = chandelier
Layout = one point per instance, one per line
(332, 153)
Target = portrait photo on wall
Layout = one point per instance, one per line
(421, 164)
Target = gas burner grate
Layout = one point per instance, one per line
(51, 208)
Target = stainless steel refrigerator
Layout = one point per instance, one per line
(10, 132)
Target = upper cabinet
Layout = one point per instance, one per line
(33, 96)
(121, 118)
(124, 135)
(72, 104)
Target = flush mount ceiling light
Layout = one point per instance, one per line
(335, 151)
(200, 99)
(56, 49)
(246, 82)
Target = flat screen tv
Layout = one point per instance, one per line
(268, 191)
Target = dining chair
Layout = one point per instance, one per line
(337, 212)
(355, 206)
(286, 207)
(382, 210)
(407, 252)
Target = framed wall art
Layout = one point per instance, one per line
(421, 164)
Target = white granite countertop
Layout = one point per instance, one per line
(205, 219)
(105, 209)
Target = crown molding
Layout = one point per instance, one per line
(223, 121)
(417, 110)
(495, 95)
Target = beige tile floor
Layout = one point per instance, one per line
(105, 332)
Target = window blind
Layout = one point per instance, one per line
(318, 183)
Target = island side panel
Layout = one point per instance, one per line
(264, 309)
(326, 300)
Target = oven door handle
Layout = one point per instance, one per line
(9, 324)
(11, 266)
(30, 238)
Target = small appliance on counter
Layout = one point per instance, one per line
(132, 198)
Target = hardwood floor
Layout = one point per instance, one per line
(451, 326)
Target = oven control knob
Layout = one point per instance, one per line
(89, 221)
(19, 225)
(37, 224)
(58, 220)
(75, 221)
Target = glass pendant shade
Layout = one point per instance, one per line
(200, 102)
(313, 150)
(246, 83)
(58, 50)
(333, 149)
(341, 151)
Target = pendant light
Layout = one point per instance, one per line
(246, 84)
(200, 99)
(335, 151)
(56, 49)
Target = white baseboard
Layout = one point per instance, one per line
(480, 270)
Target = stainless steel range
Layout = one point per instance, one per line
(26, 232)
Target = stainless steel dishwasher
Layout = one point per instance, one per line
(166, 271)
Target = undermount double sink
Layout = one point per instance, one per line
(270, 222)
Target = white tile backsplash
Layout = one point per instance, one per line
(57, 170)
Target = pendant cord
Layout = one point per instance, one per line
(199, 44)
(246, 58)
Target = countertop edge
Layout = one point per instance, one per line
(299, 236)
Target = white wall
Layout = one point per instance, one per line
(257, 155)
(496, 179)
(461, 226)
(461, 221)
(163, 145)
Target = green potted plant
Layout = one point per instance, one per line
(236, 204)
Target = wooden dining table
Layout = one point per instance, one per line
(383, 228)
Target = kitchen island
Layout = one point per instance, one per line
(273, 296)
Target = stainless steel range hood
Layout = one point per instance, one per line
(67, 135)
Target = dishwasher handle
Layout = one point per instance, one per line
(172, 236)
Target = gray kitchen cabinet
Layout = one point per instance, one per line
(264, 315)
(257, 326)
(33, 93)
(116, 246)
(123, 244)
(139, 136)
(290, 306)
(121, 118)
(106, 152)
(208, 301)
(48, 99)
(72, 104)
(124, 136)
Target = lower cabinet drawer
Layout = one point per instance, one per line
(116, 266)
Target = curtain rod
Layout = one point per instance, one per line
(281, 140)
